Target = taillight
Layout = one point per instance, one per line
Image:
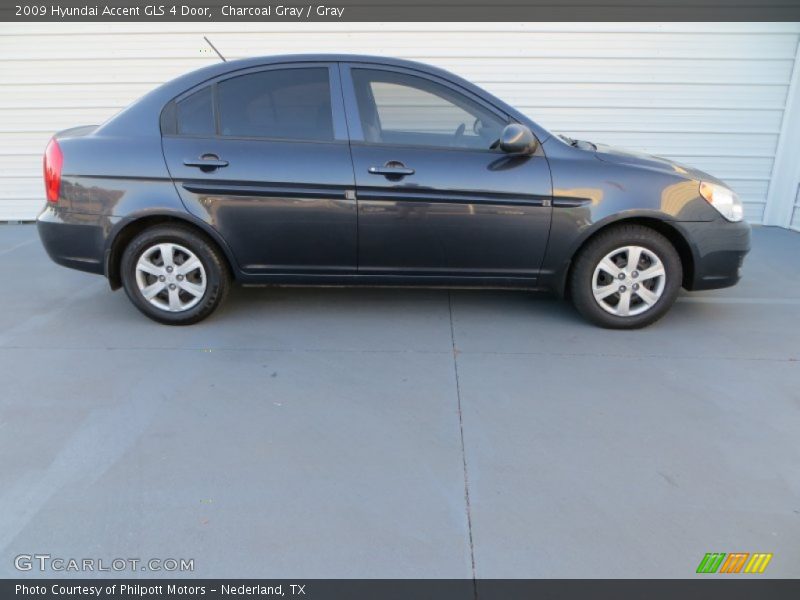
(53, 160)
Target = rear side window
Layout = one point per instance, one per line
(290, 104)
(195, 114)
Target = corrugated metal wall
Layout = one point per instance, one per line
(711, 95)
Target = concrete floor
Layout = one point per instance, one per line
(329, 433)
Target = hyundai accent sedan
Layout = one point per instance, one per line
(358, 170)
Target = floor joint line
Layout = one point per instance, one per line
(463, 446)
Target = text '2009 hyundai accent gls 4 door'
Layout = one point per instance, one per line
(361, 170)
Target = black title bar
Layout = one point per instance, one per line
(709, 588)
(395, 10)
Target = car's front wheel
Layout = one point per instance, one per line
(626, 277)
(174, 275)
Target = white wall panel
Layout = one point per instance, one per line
(710, 95)
(795, 224)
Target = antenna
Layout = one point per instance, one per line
(208, 41)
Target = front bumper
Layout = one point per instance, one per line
(75, 240)
(718, 249)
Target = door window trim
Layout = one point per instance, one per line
(354, 116)
(340, 127)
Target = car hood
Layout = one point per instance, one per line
(648, 161)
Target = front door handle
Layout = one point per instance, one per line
(392, 169)
(206, 163)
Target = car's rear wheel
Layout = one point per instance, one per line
(626, 277)
(174, 275)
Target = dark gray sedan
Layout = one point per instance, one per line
(350, 170)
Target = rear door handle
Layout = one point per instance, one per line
(392, 169)
(207, 162)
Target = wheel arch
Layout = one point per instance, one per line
(666, 228)
(131, 227)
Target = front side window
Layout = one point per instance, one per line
(292, 104)
(396, 108)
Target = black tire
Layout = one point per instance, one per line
(588, 259)
(216, 272)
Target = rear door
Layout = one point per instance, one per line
(263, 156)
(433, 199)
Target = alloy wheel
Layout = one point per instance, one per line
(171, 277)
(628, 281)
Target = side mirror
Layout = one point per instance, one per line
(516, 139)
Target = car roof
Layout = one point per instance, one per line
(327, 57)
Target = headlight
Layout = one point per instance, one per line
(723, 199)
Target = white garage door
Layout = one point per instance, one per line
(711, 95)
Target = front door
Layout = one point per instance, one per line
(263, 157)
(433, 199)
